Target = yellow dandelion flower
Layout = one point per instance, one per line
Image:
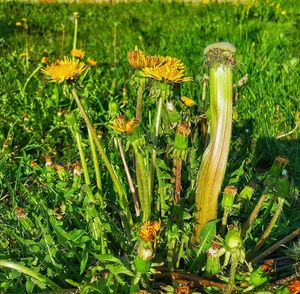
(188, 101)
(167, 73)
(44, 60)
(136, 58)
(91, 61)
(63, 70)
(174, 62)
(119, 124)
(78, 53)
(24, 19)
(149, 229)
(18, 24)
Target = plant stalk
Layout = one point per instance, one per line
(82, 158)
(115, 179)
(96, 166)
(154, 150)
(253, 214)
(129, 178)
(268, 230)
(141, 88)
(220, 58)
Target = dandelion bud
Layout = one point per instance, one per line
(294, 286)
(260, 276)
(145, 251)
(278, 165)
(21, 213)
(233, 238)
(184, 289)
(213, 265)
(228, 197)
(48, 161)
(181, 141)
(247, 192)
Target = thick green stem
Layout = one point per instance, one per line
(115, 179)
(96, 163)
(25, 270)
(154, 150)
(143, 183)
(141, 88)
(82, 158)
(214, 161)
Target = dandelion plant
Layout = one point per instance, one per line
(220, 60)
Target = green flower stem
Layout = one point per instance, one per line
(212, 169)
(234, 264)
(25, 270)
(177, 164)
(29, 78)
(268, 230)
(75, 16)
(82, 158)
(224, 223)
(154, 150)
(253, 214)
(115, 179)
(143, 183)
(141, 88)
(129, 178)
(96, 166)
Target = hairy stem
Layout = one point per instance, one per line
(253, 214)
(268, 230)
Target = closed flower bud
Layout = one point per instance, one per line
(279, 164)
(228, 197)
(213, 265)
(260, 276)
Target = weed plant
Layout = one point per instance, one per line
(98, 168)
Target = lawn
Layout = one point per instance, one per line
(98, 196)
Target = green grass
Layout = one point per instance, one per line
(267, 42)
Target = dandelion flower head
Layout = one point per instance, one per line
(120, 125)
(91, 61)
(170, 72)
(78, 53)
(63, 70)
(149, 229)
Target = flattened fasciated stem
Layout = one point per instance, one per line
(220, 59)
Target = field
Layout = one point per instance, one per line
(101, 181)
